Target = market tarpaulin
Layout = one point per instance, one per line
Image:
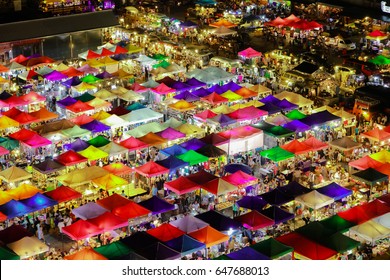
(252, 202)
(63, 194)
(219, 221)
(370, 176)
(28, 247)
(165, 232)
(272, 248)
(185, 244)
(14, 174)
(335, 191)
(209, 236)
(276, 154)
(114, 251)
(71, 158)
(314, 199)
(108, 221)
(365, 162)
(157, 205)
(381, 156)
(110, 181)
(276, 197)
(219, 187)
(253, 220)
(277, 214)
(315, 144)
(189, 224)
(345, 144)
(371, 231)
(13, 233)
(193, 157)
(337, 224)
(85, 254)
(296, 147)
(39, 202)
(131, 210)
(81, 176)
(81, 229)
(151, 169)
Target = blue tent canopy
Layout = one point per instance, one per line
(270, 108)
(335, 191)
(39, 202)
(216, 88)
(185, 244)
(187, 96)
(174, 150)
(77, 145)
(157, 205)
(319, 118)
(192, 144)
(234, 167)
(14, 209)
(172, 163)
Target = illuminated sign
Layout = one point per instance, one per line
(384, 7)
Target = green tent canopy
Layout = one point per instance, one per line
(8, 143)
(85, 97)
(295, 115)
(114, 251)
(272, 248)
(163, 64)
(6, 254)
(75, 132)
(337, 223)
(340, 243)
(159, 56)
(193, 157)
(279, 131)
(99, 141)
(90, 79)
(222, 257)
(380, 60)
(276, 154)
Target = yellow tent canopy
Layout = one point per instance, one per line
(382, 156)
(182, 106)
(6, 122)
(5, 196)
(189, 129)
(223, 109)
(105, 95)
(14, 174)
(83, 87)
(24, 191)
(81, 176)
(93, 153)
(110, 181)
(98, 103)
(101, 115)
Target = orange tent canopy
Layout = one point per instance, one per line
(209, 236)
(86, 254)
(24, 191)
(152, 139)
(223, 22)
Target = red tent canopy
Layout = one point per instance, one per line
(130, 211)
(296, 147)
(3, 217)
(201, 177)
(14, 101)
(385, 198)
(35, 61)
(375, 208)
(70, 158)
(119, 50)
(81, 229)
(181, 185)
(72, 72)
(365, 162)
(278, 22)
(138, 88)
(23, 134)
(63, 193)
(82, 119)
(163, 89)
(254, 220)
(79, 107)
(204, 115)
(355, 215)
(291, 18)
(86, 254)
(25, 118)
(105, 52)
(108, 221)
(306, 247)
(19, 59)
(315, 144)
(384, 168)
(92, 54)
(377, 33)
(376, 134)
(11, 113)
(113, 201)
(151, 169)
(240, 179)
(214, 98)
(33, 97)
(165, 232)
(133, 144)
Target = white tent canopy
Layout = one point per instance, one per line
(314, 200)
(370, 231)
(141, 116)
(131, 96)
(114, 121)
(144, 129)
(383, 220)
(294, 98)
(223, 31)
(28, 247)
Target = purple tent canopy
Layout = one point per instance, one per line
(276, 197)
(67, 101)
(277, 214)
(88, 69)
(170, 134)
(219, 221)
(74, 81)
(157, 205)
(172, 163)
(252, 202)
(174, 150)
(104, 75)
(39, 202)
(180, 86)
(216, 88)
(230, 86)
(95, 126)
(296, 126)
(234, 167)
(188, 23)
(77, 145)
(187, 96)
(193, 144)
(4, 95)
(223, 120)
(270, 108)
(48, 166)
(185, 244)
(285, 104)
(270, 99)
(139, 240)
(189, 224)
(159, 251)
(201, 92)
(55, 76)
(195, 83)
(294, 189)
(89, 211)
(334, 191)
(319, 118)
(247, 253)
(14, 209)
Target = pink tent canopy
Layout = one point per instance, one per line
(291, 18)
(37, 141)
(33, 97)
(181, 185)
(86, 69)
(249, 53)
(377, 33)
(171, 134)
(163, 89)
(151, 169)
(133, 144)
(79, 107)
(248, 113)
(239, 132)
(204, 115)
(240, 179)
(214, 98)
(3, 151)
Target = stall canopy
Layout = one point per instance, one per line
(337, 224)
(113, 201)
(335, 191)
(89, 211)
(81, 229)
(70, 158)
(383, 220)
(133, 144)
(254, 220)
(86, 254)
(189, 224)
(63, 194)
(131, 210)
(293, 189)
(192, 157)
(249, 53)
(172, 163)
(138, 240)
(165, 232)
(114, 251)
(218, 221)
(14, 174)
(218, 187)
(345, 144)
(365, 162)
(247, 253)
(157, 205)
(277, 214)
(240, 179)
(108, 221)
(39, 202)
(185, 244)
(202, 177)
(24, 191)
(28, 247)
(305, 247)
(209, 236)
(276, 154)
(296, 147)
(370, 176)
(159, 251)
(152, 139)
(192, 144)
(272, 248)
(77, 145)
(319, 118)
(276, 197)
(151, 169)
(92, 153)
(296, 126)
(382, 156)
(95, 126)
(376, 134)
(315, 144)
(371, 231)
(6, 254)
(314, 199)
(252, 202)
(13, 233)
